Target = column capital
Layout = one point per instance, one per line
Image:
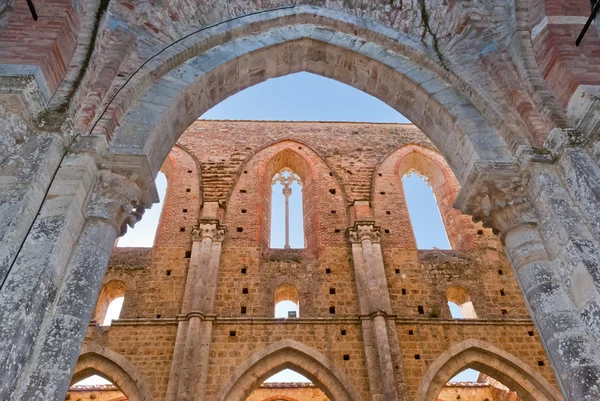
(209, 229)
(495, 194)
(364, 230)
(116, 199)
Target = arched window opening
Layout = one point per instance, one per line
(113, 311)
(110, 302)
(286, 302)
(95, 387)
(142, 235)
(424, 213)
(471, 384)
(287, 217)
(460, 303)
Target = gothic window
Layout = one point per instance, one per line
(110, 302)
(460, 303)
(287, 225)
(113, 311)
(287, 304)
(424, 213)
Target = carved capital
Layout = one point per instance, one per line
(116, 199)
(495, 195)
(208, 229)
(364, 230)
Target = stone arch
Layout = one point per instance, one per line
(283, 355)
(110, 291)
(492, 361)
(426, 162)
(461, 297)
(406, 79)
(111, 365)
(317, 183)
(286, 292)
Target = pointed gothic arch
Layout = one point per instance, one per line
(252, 193)
(492, 361)
(335, 45)
(284, 355)
(431, 164)
(112, 366)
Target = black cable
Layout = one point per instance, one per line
(588, 23)
(37, 214)
(293, 5)
(32, 10)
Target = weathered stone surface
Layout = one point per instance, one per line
(497, 86)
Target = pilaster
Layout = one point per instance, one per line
(189, 370)
(374, 300)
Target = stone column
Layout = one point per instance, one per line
(50, 293)
(374, 300)
(190, 362)
(113, 206)
(530, 210)
(286, 193)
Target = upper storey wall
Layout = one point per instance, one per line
(351, 150)
(232, 163)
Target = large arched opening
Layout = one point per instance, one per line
(491, 361)
(436, 105)
(287, 354)
(111, 366)
(373, 62)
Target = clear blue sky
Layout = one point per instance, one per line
(308, 97)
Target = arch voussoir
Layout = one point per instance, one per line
(169, 105)
(490, 360)
(284, 355)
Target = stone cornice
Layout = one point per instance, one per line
(316, 320)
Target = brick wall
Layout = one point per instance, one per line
(215, 161)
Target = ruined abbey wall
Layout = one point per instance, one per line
(350, 166)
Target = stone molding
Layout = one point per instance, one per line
(116, 199)
(364, 230)
(209, 229)
(496, 196)
(356, 319)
